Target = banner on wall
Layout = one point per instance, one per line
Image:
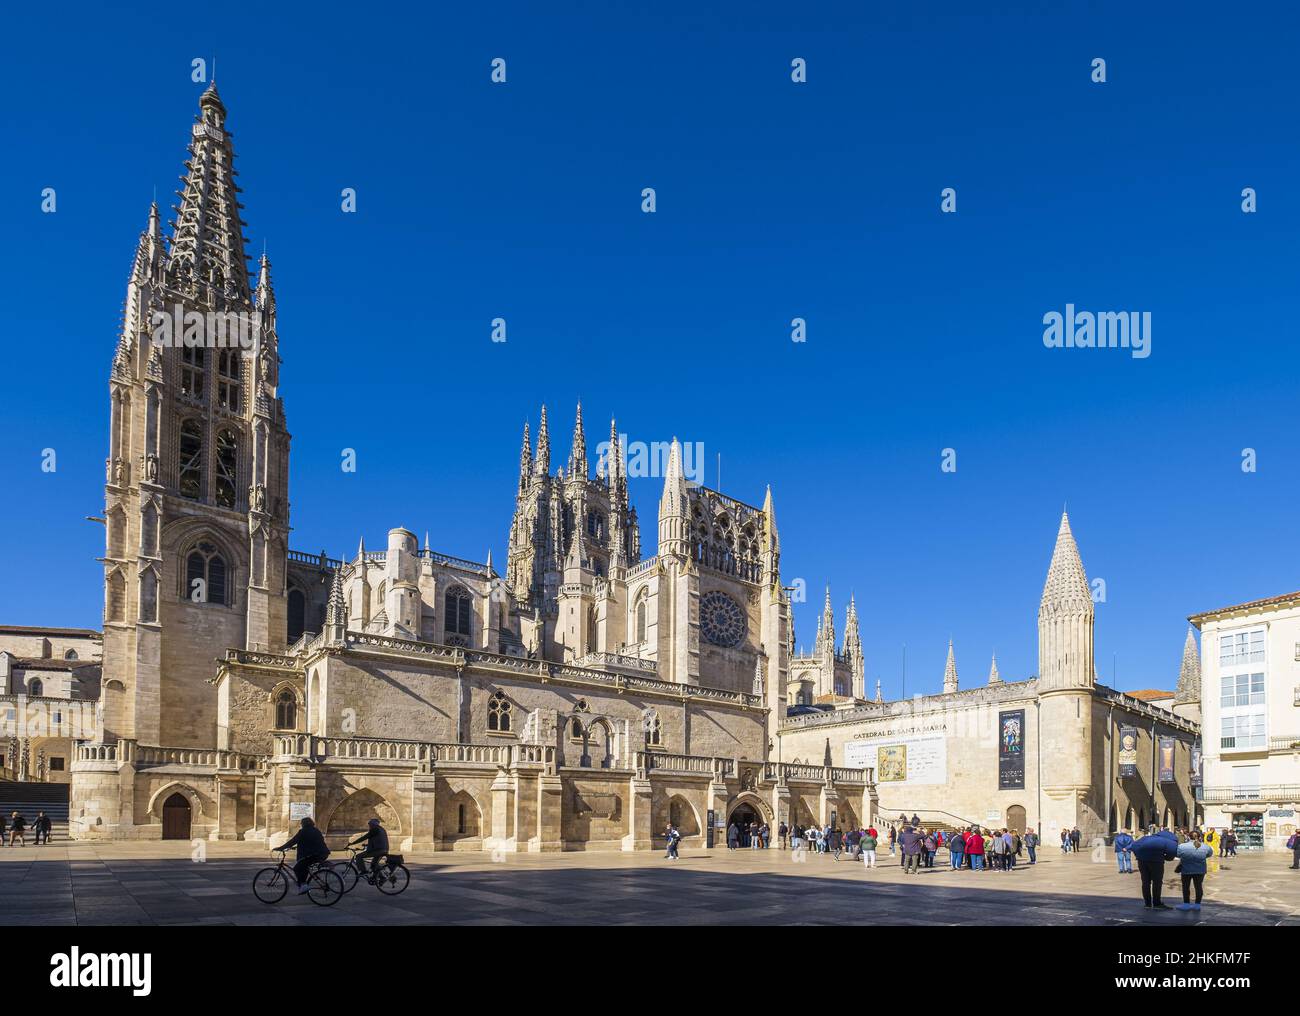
(1128, 752)
(1196, 764)
(1167, 760)
(918, 760)
(1011, 749)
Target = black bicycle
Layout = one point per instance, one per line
(390, 878)
(324, 886)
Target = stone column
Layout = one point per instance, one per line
(640, 815)
(526, 816)
(717, 800)
(550, 829)
(500, 838)
(424, 814)
(227, 826)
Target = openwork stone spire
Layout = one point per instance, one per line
(1189, 676)
(994, 676)
(880, 697)
(578, 452)
(542, 464)
(207, 250)
(950, 672)
(525, 459)
(1065, 620)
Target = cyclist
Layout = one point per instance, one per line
(375, 849)
(311, 850)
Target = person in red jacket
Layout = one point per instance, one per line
(975, 849)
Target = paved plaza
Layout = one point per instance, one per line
(158, 883)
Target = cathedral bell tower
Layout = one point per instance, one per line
(196, 495)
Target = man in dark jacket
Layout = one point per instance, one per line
(311, 850)
(377, 846)
(910, 843)
(1152, 851)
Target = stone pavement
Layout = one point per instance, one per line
(158, 883)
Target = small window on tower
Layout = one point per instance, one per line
(228, 379)
(193, 367)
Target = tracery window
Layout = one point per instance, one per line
(458, 612)
(193, 371)
(654, 729)
(286, 711)
(229, 363)
(205, 575)
(498, 712)
(191, 460)
(227, 467)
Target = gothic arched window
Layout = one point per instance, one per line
(458, 612)
(297, 614)
(229, 363)
(34, 687)
(193, 369)
(640, 619)
(286, 711)
(498, 712)
(205, 575)
(71, 654)
(115, 607)
(227, 468)
(191, 460)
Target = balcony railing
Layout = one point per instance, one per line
(1228, 795)
(1285, 742)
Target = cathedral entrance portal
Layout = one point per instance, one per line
(743, 815)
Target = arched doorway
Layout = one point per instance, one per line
(1016, 818)
(744, 815)
(176, 817)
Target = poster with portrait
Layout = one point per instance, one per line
(1011, 749)
(1167, 759)
(1128, 752)
(1196, 764)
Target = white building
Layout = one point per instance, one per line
(1250, 705)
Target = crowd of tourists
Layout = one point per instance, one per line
(13, 830)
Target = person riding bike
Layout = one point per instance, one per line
(311, 850)
(375, 849)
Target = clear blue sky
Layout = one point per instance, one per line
(775, 201)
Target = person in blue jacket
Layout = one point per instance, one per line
(1124, 852)
(1192, 857)
(1152, 851)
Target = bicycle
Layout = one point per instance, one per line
(324, 887)
(390, 878)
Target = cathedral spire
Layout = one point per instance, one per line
(1189, 675)
(207, 250)
(542, 464)
(950, 672)
(578, 452)
(265, 291)
(149, 251)
(525, 459)
(994, 676)
(879, 695)
(1065, 620)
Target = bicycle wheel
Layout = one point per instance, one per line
(347, 873)
(394, 880)
(325, 888)
(270, 885)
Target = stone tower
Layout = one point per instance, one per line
(572, 538)
(196, 497)
(1065, 686)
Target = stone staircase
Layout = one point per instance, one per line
(29, 798)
